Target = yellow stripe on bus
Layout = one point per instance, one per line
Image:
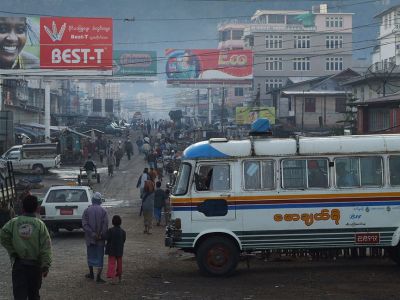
(288, 197)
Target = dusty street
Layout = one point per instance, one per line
(152, 271)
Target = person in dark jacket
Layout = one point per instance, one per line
(159, 202)
(116, 237)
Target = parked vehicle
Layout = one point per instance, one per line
(232, 198)
(63, 207)
(36, 158)
(114, 130)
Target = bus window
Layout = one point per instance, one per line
(371, 171)
(182, 182)
(347, 174)
(213, 178)
(268, 174)
(294, 174)
(359, 171)
(317, 173)
(394, 166)
(252, 175)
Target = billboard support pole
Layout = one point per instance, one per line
(103, 99)
(47, 111)
(222, 109)
(209, 105)
(197, 105)
(1, 94)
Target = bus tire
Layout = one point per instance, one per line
(217, 256)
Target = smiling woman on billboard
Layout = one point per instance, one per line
(13, 38)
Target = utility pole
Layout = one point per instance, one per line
(209, 105)
(222, 109)
(197, 105)
(1, 94)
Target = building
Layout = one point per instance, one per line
(318, 104)
(387, 52)
(379, 115)
(298, 44)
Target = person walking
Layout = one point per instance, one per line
(95, 225)
(116, 237)
(140, 184)
(118, 156)
(160, 198)
(128, 149)
(28, 244)
(89, 167)
(148, 205)
(111, 163)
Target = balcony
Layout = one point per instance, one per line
(277, 27)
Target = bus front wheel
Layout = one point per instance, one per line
(217, 256)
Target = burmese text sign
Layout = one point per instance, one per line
(76, 43)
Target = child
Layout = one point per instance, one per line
(116, 237)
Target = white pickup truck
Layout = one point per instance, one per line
(33, 158)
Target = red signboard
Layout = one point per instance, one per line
(76, 43)
(367, 238)
(208, 64)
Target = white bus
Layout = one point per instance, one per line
(258, 194)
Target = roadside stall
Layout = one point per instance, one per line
(72, 144)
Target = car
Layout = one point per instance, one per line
(110, 129)
(63, 207)
(33, 158)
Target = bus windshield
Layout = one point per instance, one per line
(182, 181)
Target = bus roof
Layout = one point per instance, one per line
(353, 144)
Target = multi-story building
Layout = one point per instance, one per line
(295, 45)
(387, 53)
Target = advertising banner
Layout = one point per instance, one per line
(139, 63)
(208, 64)
(76, 43)
(247, 115)
(55, 43)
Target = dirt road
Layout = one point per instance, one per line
(152, 271)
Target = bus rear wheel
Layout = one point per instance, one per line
(217, 256)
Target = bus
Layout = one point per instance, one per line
(241, 196)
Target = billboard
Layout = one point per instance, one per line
(247, 115)
(197, 65)
(55, 43)
(76, 43)
(139, 63)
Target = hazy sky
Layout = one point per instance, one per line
(151, 30)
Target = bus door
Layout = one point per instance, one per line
(212, 192)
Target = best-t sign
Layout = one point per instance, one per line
(76, 43)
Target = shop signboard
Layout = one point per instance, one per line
(247, 115)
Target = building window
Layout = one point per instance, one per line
(334, 64)
(302, 41)
(239, 92)
(276, 19)
(340, 105)
(273, 64)
(273, 41)
(301, 64)
(334, 41)
(334, 22)
(378, 119)
(309, 105)
(273, 83)
(237, 34)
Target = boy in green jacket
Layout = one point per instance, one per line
(28, 243)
